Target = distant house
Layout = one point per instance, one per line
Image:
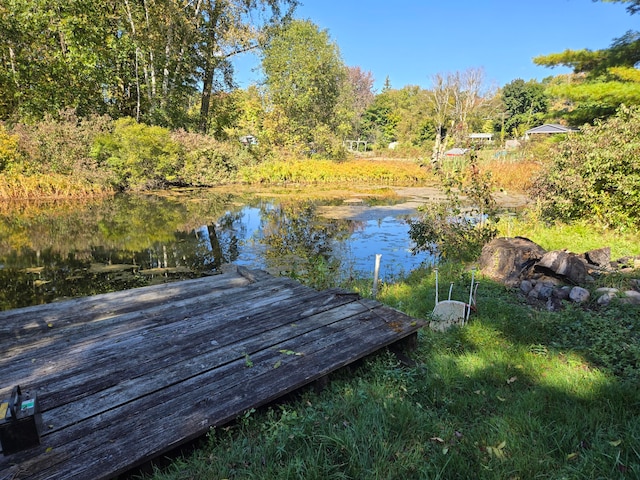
(548, 129)
(481, 137)
(248, 140)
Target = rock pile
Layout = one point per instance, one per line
(555, 276)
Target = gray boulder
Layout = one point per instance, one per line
(564, 265)
(632, 297)
(579, 295)
(509, 260)
(600, 257)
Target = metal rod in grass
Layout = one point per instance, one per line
(473, 274)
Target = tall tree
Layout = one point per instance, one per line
(602, 80)
(525, 104)
(304, 75)
(53, 54)
(140, 58)
(455, 98)
(358, 95)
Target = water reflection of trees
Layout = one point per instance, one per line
(300, 242)
(49, 251)
(58, 250)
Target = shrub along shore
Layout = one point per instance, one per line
(69, 157)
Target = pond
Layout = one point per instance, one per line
(66, 249)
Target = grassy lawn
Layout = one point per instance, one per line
(515, 394)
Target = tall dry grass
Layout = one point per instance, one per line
(385, 172)
(512, 176)
(51, 186)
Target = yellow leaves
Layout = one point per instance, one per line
(291, 352)
(497, 451)
(615, 443)
(626, 73)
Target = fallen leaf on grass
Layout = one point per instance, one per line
(615, 443)
(437, 439)
(511, 380)
(572, 456)
(497, 451)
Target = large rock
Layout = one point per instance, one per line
(563, 265)
(632, 297)
(509, 260)
(600, 257)
(579, 295)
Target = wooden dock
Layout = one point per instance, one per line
(124, 377)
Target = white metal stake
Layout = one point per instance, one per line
(436, 269)
(375, 275)
(473, 273)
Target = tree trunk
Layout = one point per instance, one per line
(210, 45)
(205, 103)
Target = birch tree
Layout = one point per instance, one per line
(141, 58)
(454, 99)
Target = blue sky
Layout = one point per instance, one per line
(412, 40)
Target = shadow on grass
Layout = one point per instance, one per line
(508, 396)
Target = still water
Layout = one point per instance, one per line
(62, 250)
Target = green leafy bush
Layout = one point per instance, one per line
(207, 161)
(596, 174)
(458, 227)
(141, 156)
(8, 148)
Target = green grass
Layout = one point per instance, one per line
(515, 394)
(579, 237)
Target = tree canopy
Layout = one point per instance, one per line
(602, 80)
(304, 76)
(525, 104)
(145, 59)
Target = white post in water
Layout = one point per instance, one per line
(376, 271)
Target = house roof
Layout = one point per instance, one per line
(481, 135)
(456, 152)
(549, 128)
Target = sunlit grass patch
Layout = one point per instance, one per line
(384, 172)
(578, 237)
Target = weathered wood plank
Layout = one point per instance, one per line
(126, 381)
(229, 391)
(154, 347)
